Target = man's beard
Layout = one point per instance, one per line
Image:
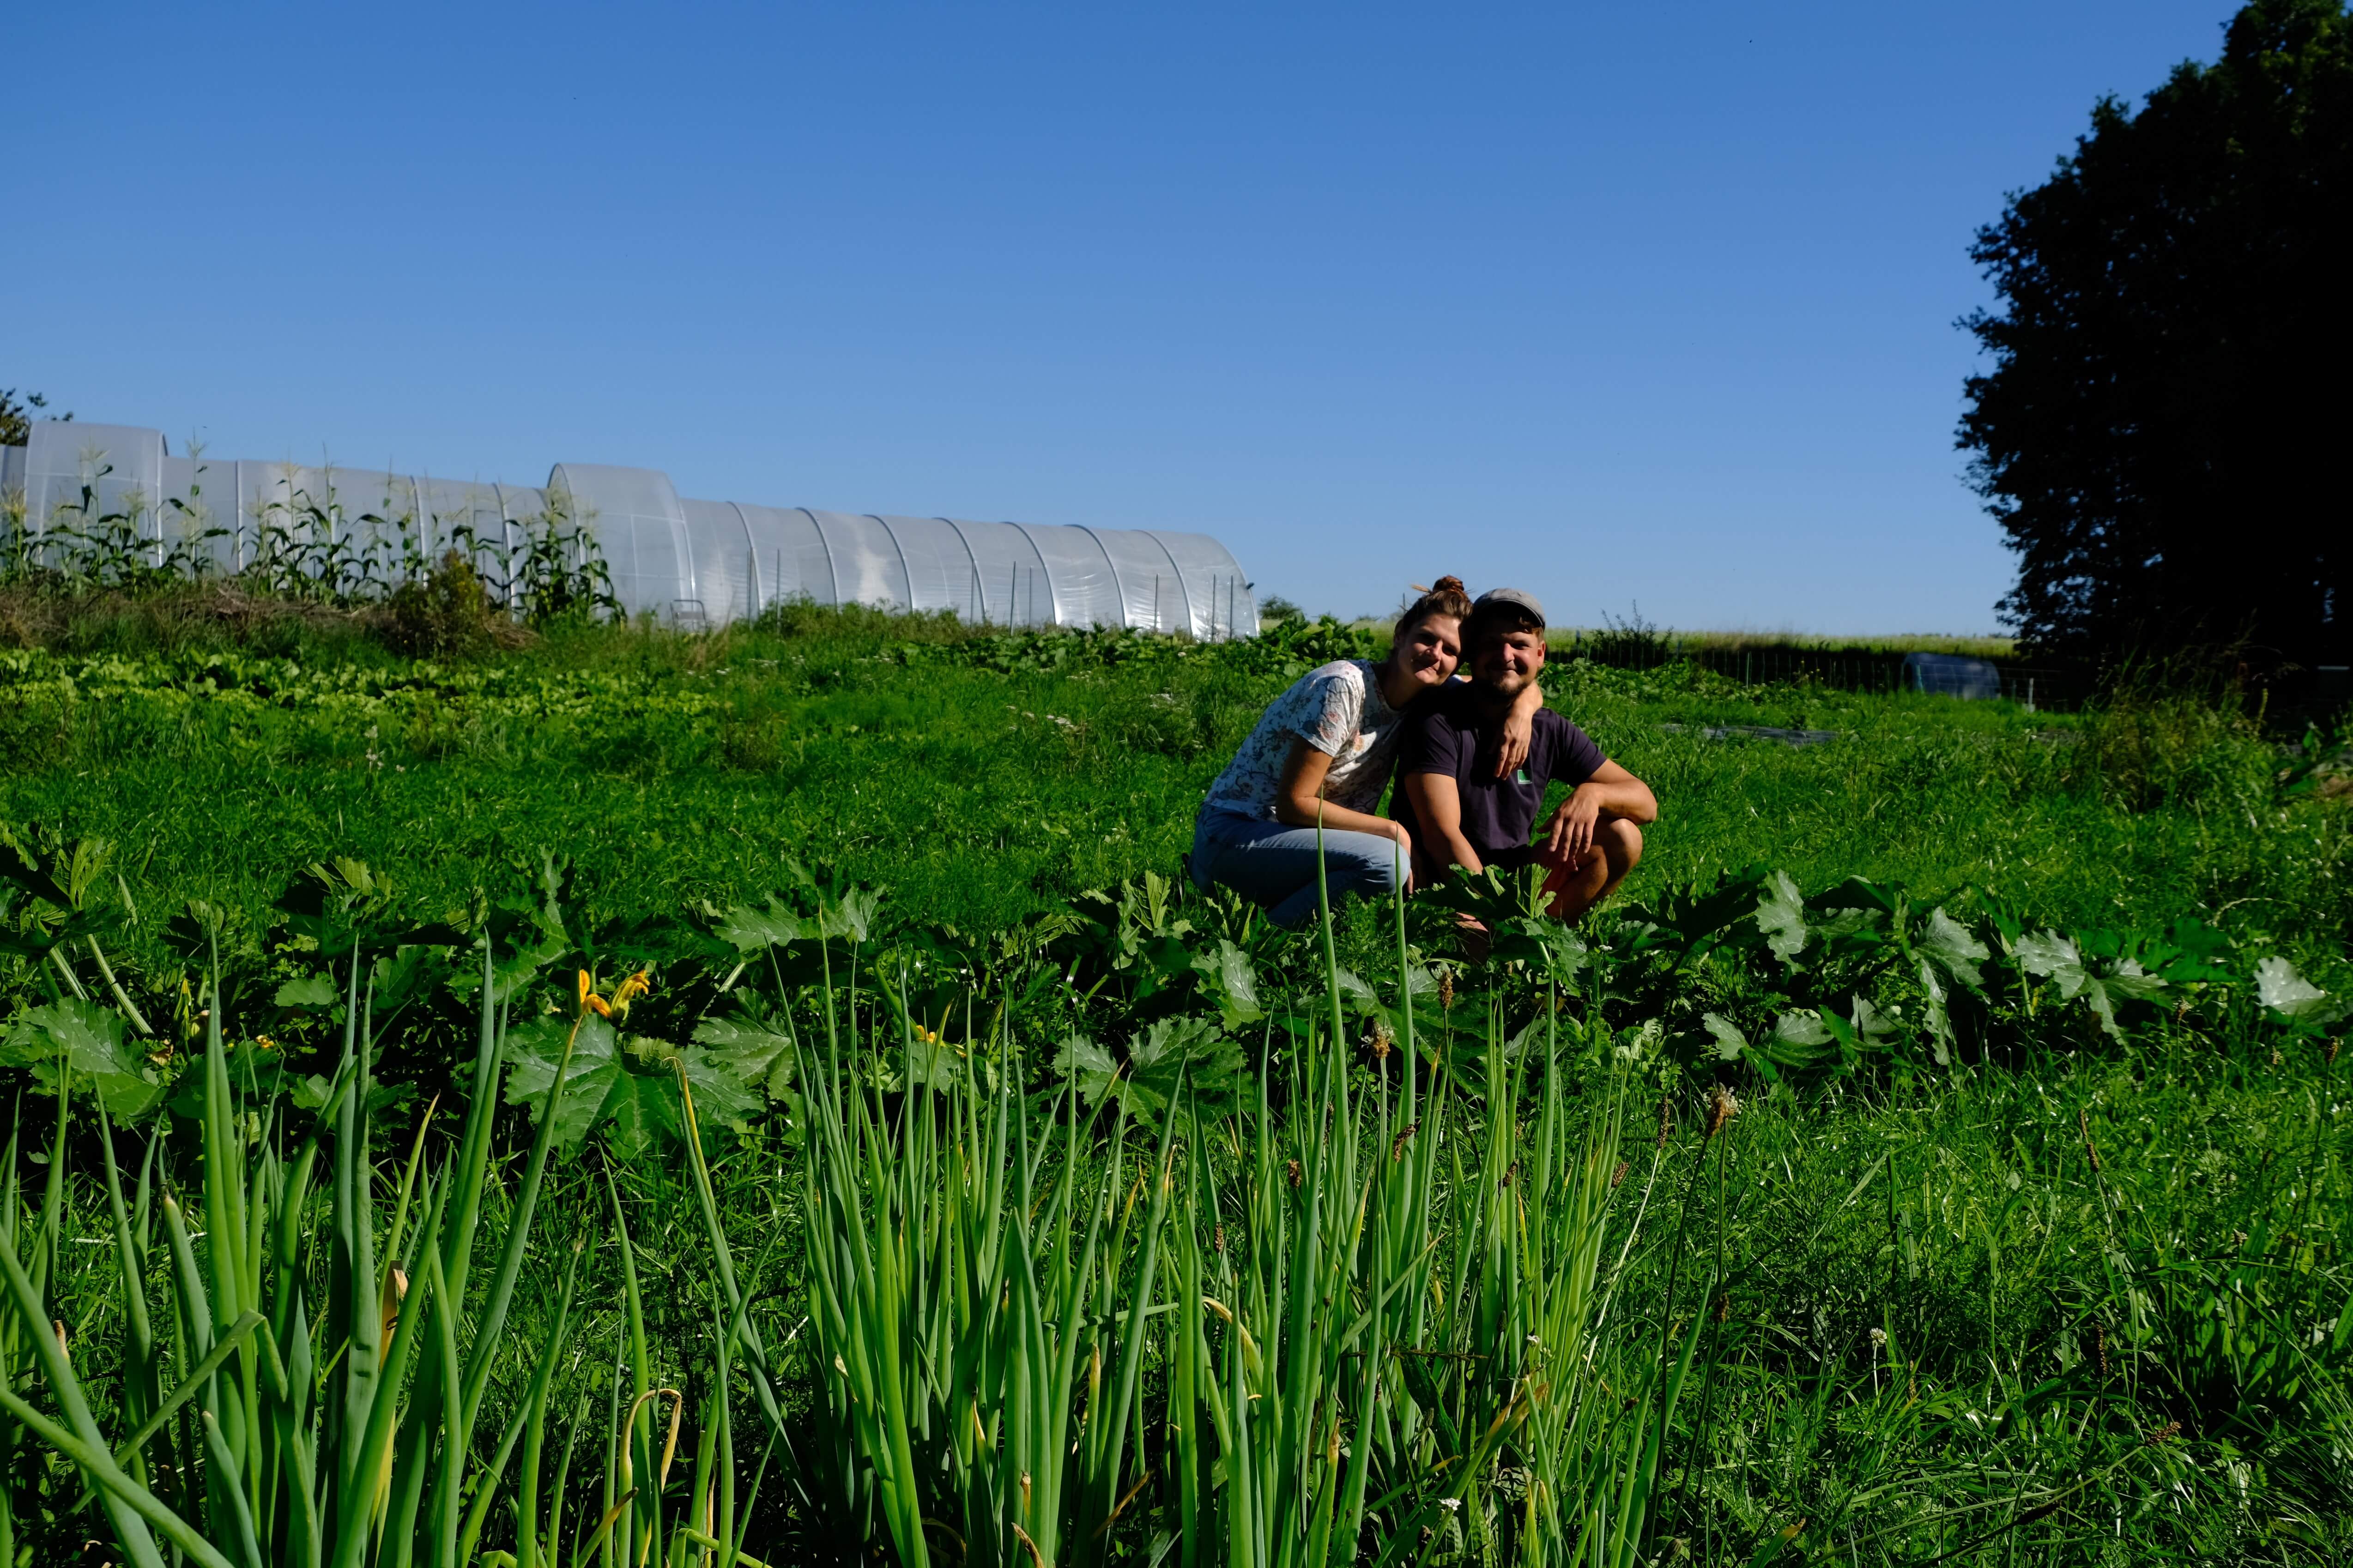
(1503, 685)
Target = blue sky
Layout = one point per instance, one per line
(1630, 303)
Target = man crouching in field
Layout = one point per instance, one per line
(1459, 813)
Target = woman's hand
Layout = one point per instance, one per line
(1519, 730)
(1404, 841)
(1300, 803)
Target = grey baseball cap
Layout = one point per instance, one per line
(1519, 599)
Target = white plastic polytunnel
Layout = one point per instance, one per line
(686, 563)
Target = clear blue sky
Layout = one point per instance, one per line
(1619, 303)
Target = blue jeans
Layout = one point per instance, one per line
(1275, 866)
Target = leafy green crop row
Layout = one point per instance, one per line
(1280, 1263)
(234, 683)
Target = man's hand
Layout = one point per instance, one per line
(1611, 792)
(1437, 806)
(1571, 839)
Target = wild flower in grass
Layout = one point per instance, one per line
(1381, 1038)
(1723, 1105)
(1666, 1120)
(2164, 1434)
(1724, 1307)
(2100, 1347)
(1618, 1175)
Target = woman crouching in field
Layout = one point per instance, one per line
(1320, 754)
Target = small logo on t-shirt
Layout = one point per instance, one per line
(1520, 777)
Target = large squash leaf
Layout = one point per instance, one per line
(629, 1089)
(1781, 917)
(83, 1042)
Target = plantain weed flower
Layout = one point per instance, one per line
(1723, 1105)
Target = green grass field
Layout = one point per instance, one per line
(676, 769)
(1123, 1220)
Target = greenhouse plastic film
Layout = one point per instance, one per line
(688, 562)
(942, 574)
(1086, 591)
(1220, 600)
(722, 550)
(121, 465)
(794, 562)
(867, 568)
(1152, 589)
(1012, 574)
(641, 527)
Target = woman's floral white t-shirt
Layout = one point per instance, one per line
(1339, 710)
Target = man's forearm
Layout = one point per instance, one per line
(1632, 801)
(1459, 853)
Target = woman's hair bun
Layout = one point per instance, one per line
(1447, 596)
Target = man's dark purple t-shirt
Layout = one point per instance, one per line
(1447, 732)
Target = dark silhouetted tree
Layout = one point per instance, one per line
(16, 418)
(2163, 433)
